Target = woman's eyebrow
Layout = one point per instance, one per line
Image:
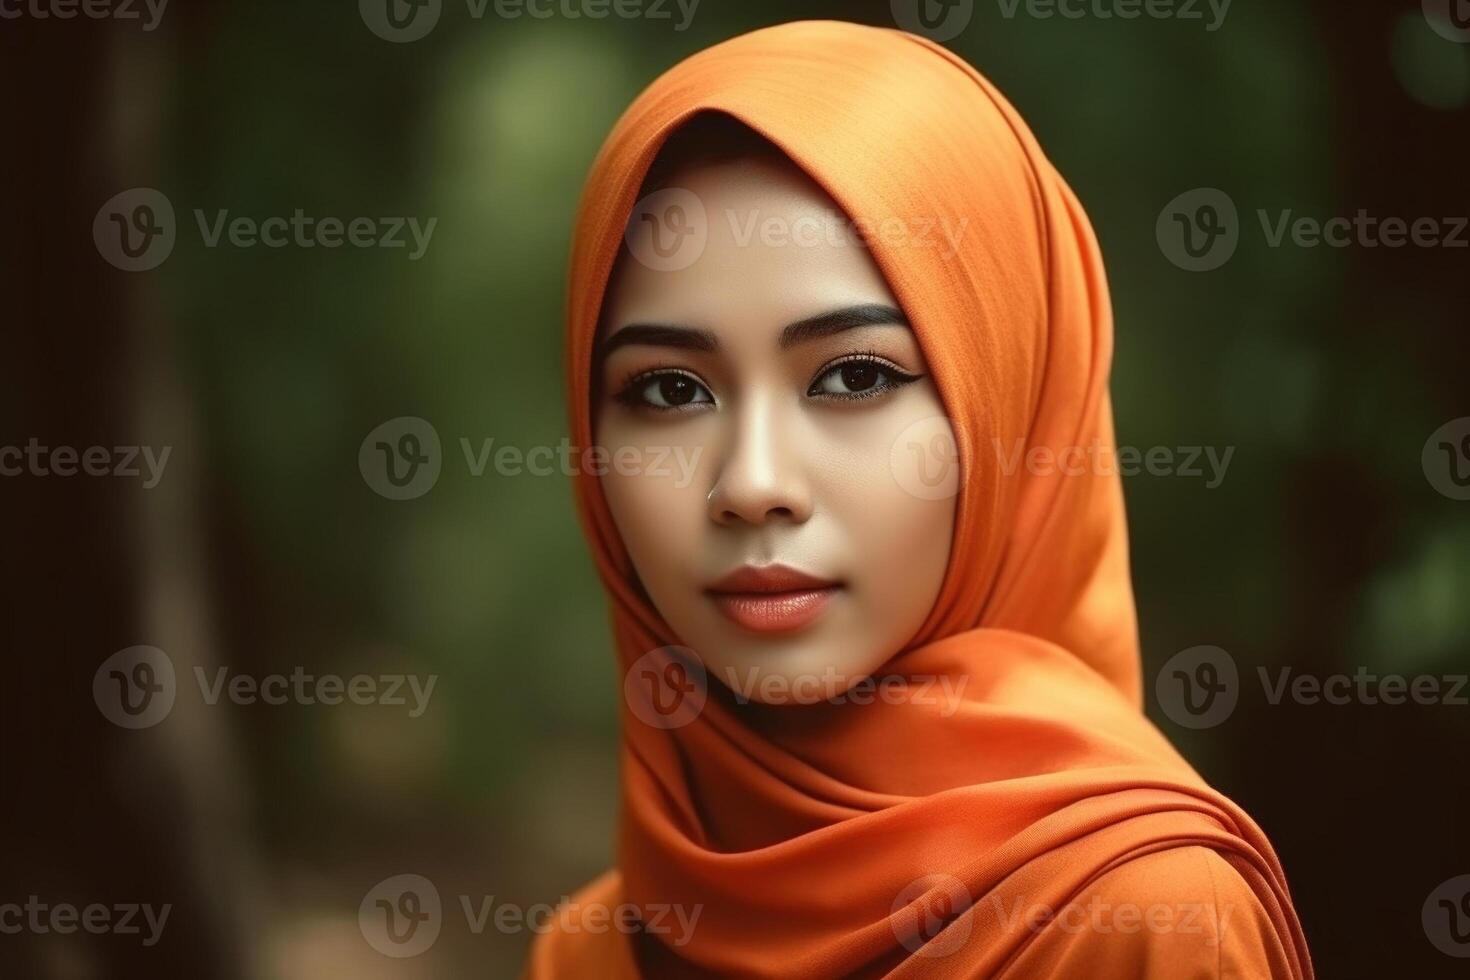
(659, 335)
(825, 324)
(692, 338)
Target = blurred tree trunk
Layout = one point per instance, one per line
(1400, 159)
(95, 813)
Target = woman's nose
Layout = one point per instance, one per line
(762, 477)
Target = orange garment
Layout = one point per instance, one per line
(908, 840)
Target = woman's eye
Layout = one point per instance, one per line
(858, 378)
(666, 390)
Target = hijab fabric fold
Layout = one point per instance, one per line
(845, 839)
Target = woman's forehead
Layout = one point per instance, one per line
(762, 244)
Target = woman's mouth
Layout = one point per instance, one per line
(772, 598)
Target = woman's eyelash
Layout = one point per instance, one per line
(634, 388)
(646, 374)
(630, 392)
(896, 377)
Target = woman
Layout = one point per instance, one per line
(882, 709)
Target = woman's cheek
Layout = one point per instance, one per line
(872, 493)
(899, 460)
(656, 487)
(890, 485)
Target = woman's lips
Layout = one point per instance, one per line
(773, 612)
(772, 598)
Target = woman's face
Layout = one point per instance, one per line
(784, 513)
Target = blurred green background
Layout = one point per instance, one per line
(1324, 548)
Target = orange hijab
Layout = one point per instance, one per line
(861, 840)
